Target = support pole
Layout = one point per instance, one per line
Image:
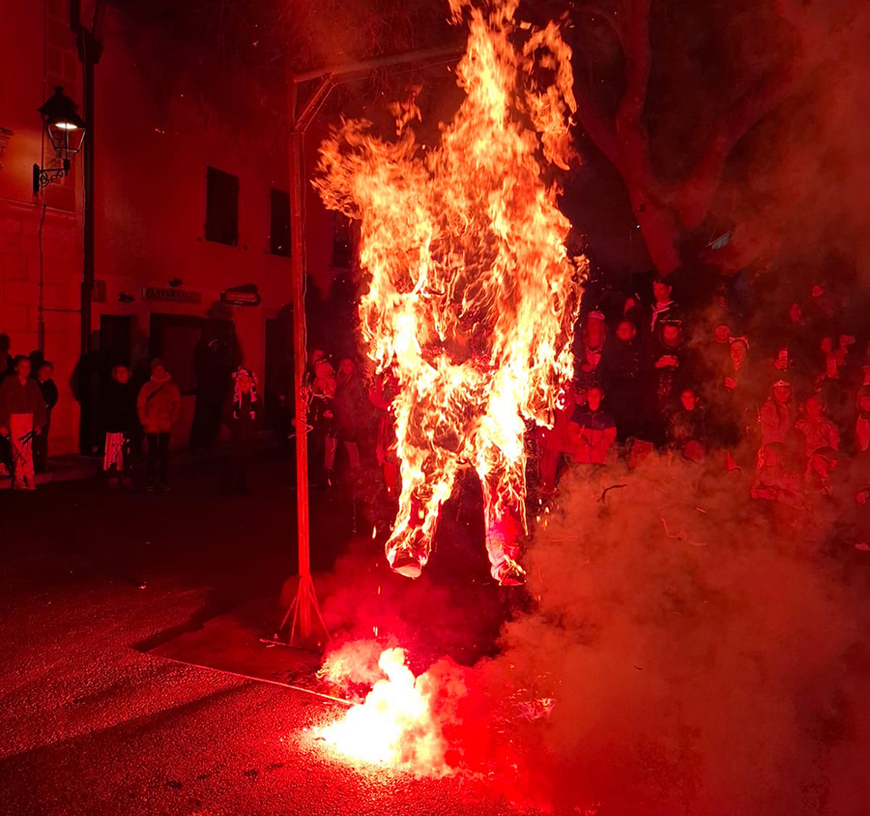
(87, 285)
(304, 606)
(300, 355)
(90, 48)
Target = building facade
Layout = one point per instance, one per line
(191, 208)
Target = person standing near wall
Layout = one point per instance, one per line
(46, 384)
(22, 416)
(349, 406)
(6, 363)
(159, 405)
(242, 413)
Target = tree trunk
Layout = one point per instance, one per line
(659, 229)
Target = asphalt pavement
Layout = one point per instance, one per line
(90, 723)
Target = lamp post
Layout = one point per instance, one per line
(66, 132)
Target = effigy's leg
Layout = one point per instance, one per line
(428, 477)
(504, 490)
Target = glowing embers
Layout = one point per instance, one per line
(399, 723)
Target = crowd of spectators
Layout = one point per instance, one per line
(135, 415)
(790, 407)
(785, 402)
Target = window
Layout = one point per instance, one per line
(279, 235)
(221, 207)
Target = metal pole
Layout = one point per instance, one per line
(300, 357)
(88, 62)
(305, 602)
(429, 56)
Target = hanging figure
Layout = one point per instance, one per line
(471, 293)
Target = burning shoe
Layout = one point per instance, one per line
(509, 573)
(407, 563)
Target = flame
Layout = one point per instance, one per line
(398, 724)
(472, 296)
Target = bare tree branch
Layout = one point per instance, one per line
(598, 125)
(630, 129)
(637, 67)
(694, 198)
(595, 11)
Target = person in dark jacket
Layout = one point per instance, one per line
(212, 383)
(6, 364)
(687, 432)
(50, 396)
(120, 419)
(672, 366)
(624, 377)
(592, 430)
(242, 411)
(664, 307)
(22, 416)
(349, 408)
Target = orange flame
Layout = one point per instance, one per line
(472, 296)
(398, 724)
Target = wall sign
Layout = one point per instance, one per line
(246, 295)
(168, 294)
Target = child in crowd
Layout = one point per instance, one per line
(776, 416)
(242, 412)
(120, 418)
(777, 479)
(818, 432)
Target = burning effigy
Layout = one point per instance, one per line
(472, 295)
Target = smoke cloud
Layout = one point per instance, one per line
(689, 651)
(704, 655)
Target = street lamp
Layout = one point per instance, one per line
(66, 131)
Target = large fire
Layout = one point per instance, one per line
(472, 295)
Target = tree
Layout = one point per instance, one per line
(735, 61)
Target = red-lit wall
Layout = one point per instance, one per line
(151, 159)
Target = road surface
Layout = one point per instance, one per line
(90, 723)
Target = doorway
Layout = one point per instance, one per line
(278, 373)
(116, 340)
